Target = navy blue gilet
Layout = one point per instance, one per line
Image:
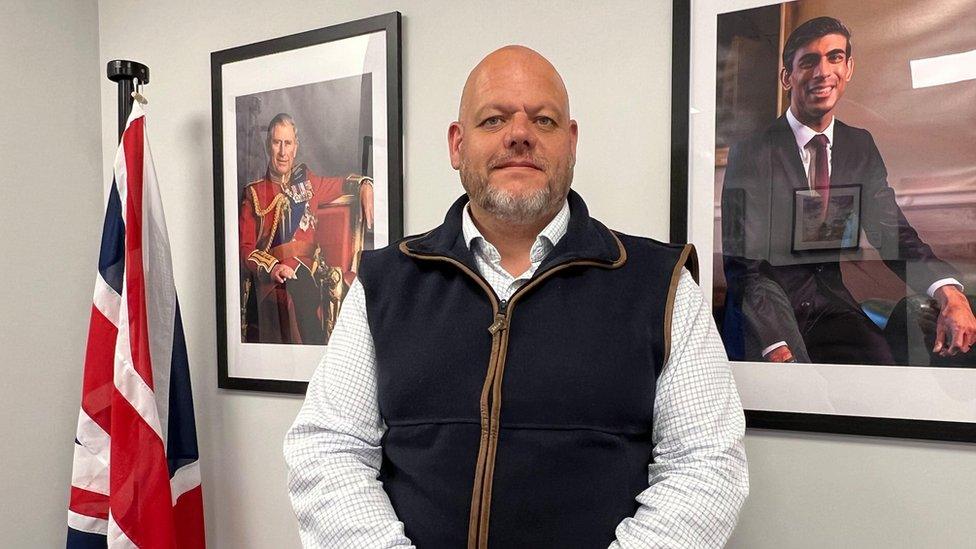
(524, 423)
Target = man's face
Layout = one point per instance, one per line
(282, 148)
(821, 70)
(514, 142)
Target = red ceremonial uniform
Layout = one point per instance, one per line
(277, 225)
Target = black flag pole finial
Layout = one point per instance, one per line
(123, 73)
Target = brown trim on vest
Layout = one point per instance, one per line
(485, 403)
(689, 259)
(490, 405)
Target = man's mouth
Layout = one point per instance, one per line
(516, 164)
(820, 91)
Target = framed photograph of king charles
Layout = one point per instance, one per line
(307, 145)
(823, 167)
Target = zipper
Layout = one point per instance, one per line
(490, 409)
(501, 327)
(500, 318)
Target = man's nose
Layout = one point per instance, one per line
(520, 132)
(823, 67)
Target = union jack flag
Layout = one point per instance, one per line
(136, 475)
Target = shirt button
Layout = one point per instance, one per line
(820, 268)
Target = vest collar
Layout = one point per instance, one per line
(586, 239)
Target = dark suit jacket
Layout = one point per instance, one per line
(775, 285)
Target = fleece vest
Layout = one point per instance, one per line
(524, 423)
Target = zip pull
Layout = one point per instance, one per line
(501, 321)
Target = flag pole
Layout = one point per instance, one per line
(123, 72)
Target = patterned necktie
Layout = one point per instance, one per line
(821, 174)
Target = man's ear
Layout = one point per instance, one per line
(850, 68)
(455, 135)
(784, 79)
(574, 132)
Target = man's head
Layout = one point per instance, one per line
(514, 142)
(282, 145)
(817, 65)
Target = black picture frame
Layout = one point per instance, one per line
(801, 246)
(865, 425)
(382, 32)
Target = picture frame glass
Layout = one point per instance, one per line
(736, 93)
(307, 176)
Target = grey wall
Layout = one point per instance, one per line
(811, 491)
(808, 490)
(50, 217)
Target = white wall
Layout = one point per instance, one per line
(808, 490)
(50, 218)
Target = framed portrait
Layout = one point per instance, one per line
(822, 166)
(307, 147)
(827, 221)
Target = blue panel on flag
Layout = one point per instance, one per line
(85, 540)
(111, 256)
(181, 444)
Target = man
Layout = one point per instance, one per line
(520, 376)
(277, 240)
(784, 306)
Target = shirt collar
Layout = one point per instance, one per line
(550, 235)
(803, 134)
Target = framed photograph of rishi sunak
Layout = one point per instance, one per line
(307, 148)
(823, 166)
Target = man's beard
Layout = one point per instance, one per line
(520, 208)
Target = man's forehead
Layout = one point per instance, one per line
(514, 74)
(517, 90)
(827, 42)
(283, 129)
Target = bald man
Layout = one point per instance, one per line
(520, 376)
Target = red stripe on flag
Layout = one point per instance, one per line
(142, 501)
(188, 514)
(132, 143)
(90, 504)
(97, 388)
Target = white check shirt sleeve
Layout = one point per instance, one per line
(333, 448)
(699, 479)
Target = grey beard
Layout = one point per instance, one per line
(518, 210)
(514, 209)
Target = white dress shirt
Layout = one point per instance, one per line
(697, 481)
(803, 134)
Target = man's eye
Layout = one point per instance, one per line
(492, 121)
(836, 58)
(545, 121)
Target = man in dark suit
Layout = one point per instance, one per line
(784, 305)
